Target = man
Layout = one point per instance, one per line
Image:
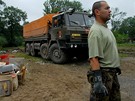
(103, 57)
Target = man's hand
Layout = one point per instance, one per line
(98, 87)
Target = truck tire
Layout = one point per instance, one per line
(57, 55)
(33, 52)
(27, 49)
(44, 52)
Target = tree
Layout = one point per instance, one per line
(10, 25)
(2, 3)
(2, 38)
(117, 18)
(12, 18)
(3, 41)
(120, 37)
(128, 27)
(53, 6)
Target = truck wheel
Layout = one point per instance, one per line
(32, 51)
(44, 52)
(57, 55)
(27, 49)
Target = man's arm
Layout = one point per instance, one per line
(98, 87)
(94, 64)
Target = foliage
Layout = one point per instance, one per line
(3, 41)
(18, 40)
(128, 27)
(117, 18)
(54, 6)
(123, 27)
(2, 3)
(14, 15)
(10, 24)
(121, 38)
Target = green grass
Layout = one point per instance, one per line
(22, 54)
(123, 55)
(123, 48)
(126, 46)
(11, 48)
(28, 57)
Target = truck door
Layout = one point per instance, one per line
(57, 27)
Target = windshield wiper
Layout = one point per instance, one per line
(75, 22)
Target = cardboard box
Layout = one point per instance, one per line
(21, 75)
(14, 81)
(6, 86)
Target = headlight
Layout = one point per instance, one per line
(75, 46)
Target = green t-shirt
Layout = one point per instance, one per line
(102, 44)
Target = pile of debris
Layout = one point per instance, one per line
(12, 73)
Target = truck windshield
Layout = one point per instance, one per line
(79, 20)
(89, 21)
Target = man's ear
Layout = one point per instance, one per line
(97, 12)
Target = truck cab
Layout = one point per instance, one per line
(69, 32)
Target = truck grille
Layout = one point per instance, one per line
(79, 37)
(84, 37)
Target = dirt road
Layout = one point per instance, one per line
(46, 81)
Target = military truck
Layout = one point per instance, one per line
(58, 37)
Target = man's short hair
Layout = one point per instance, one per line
(96, 5)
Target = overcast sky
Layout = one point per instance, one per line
(34, 8)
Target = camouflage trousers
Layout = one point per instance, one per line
(111, 82)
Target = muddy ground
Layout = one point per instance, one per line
(46, 81)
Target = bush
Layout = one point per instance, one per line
(3, 41)
(121, 38)
(18, 41)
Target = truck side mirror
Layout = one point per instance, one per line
(71, 11)
(90, 15)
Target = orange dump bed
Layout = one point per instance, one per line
(38, 27)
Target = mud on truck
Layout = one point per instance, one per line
(58, 37)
